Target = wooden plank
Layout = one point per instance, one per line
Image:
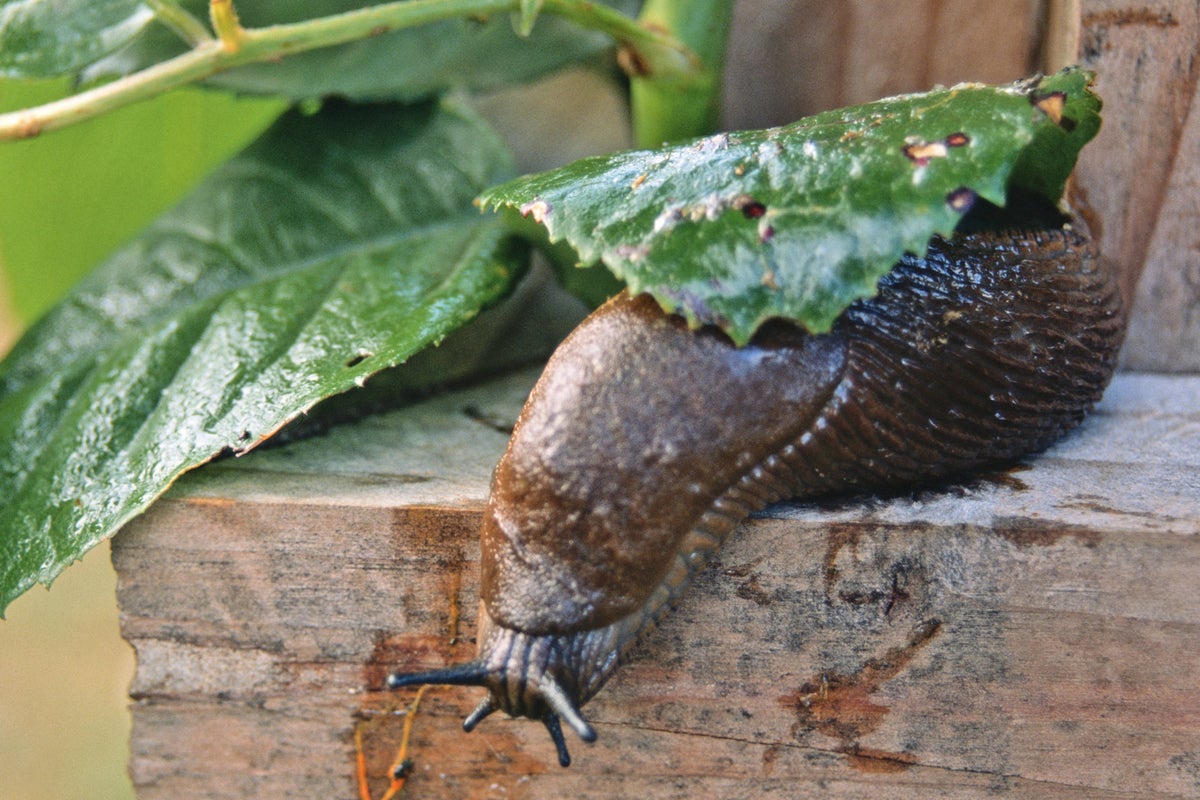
(1035, 632)
(1141, 174)
(1164, 330)
(791, 58)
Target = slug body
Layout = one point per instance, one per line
(645, 443)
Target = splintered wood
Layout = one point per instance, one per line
(1035, 631)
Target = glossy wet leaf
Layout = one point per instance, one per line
(45, 38)
(54, 181)
(335, 246)
(410, 64)
(799, 221)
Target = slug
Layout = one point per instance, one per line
(645, 443)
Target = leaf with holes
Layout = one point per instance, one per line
(337, 245)
(800, 221)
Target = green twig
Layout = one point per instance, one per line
(185, 26)
(662, 55)
(670, 108)
(225, 22)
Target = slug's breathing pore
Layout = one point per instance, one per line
(645, 443)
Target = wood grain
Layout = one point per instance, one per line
(1164, 332)
(791, 58)
(1142, 173)
(1035, 632)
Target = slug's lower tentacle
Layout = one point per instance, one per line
(528, 676)
(644, 443)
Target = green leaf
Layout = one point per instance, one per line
(45, 38)
(410, 64)
(528, 16)
(800, 221)
(335, 246)
(1043, 167)
(141, 159)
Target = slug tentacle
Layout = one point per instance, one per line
(644, 444)
(485, 709)
(526, 676)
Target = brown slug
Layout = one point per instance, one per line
(645, 443)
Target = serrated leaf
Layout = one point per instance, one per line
(45, 38)
(335, 246)
(410, 64)
(800, 221)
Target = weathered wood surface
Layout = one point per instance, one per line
(1142, 173)
(1035, 633)
(791, 58)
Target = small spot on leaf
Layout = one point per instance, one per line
(1052, 105)
(639, 180)
(920, 152)
(357, 359)
(539, 209)
(750, 208)
(632, 252)
(958, 139)
(711, 144)
(668, 218)
(961, 199)
(768, 150)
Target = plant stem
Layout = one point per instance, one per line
(185, 26)
(225, 22)
(670, 108)
(666, 58)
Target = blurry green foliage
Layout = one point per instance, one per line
(69, 199)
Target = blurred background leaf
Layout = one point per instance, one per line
(45, 38)
(71, 198)
(411, 64)
(67, 201)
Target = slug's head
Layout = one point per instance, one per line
(526, 675)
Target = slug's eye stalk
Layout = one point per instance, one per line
(470, 674)
(537, 696)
